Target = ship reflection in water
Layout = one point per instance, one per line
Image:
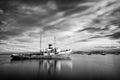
(53, 66)
(40, 69)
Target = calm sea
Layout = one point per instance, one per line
(82, 67)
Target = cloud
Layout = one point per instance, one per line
(3, 42)
(96, 21)
(18, 17)
(115, 35)
(75, 23)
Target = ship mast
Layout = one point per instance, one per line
(40, 41)
(54, 41)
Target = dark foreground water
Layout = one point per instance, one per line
(82, 67)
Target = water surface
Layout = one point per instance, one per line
(90, 67)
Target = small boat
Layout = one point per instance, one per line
(49, 53)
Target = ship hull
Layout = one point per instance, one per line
(61, 55)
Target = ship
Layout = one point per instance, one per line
(48, 53)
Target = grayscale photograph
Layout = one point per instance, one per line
(59, 40)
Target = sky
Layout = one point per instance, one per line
(77, 24)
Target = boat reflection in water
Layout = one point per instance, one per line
(37, 69)
(54, 66)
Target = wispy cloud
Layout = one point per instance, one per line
(75, 23)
